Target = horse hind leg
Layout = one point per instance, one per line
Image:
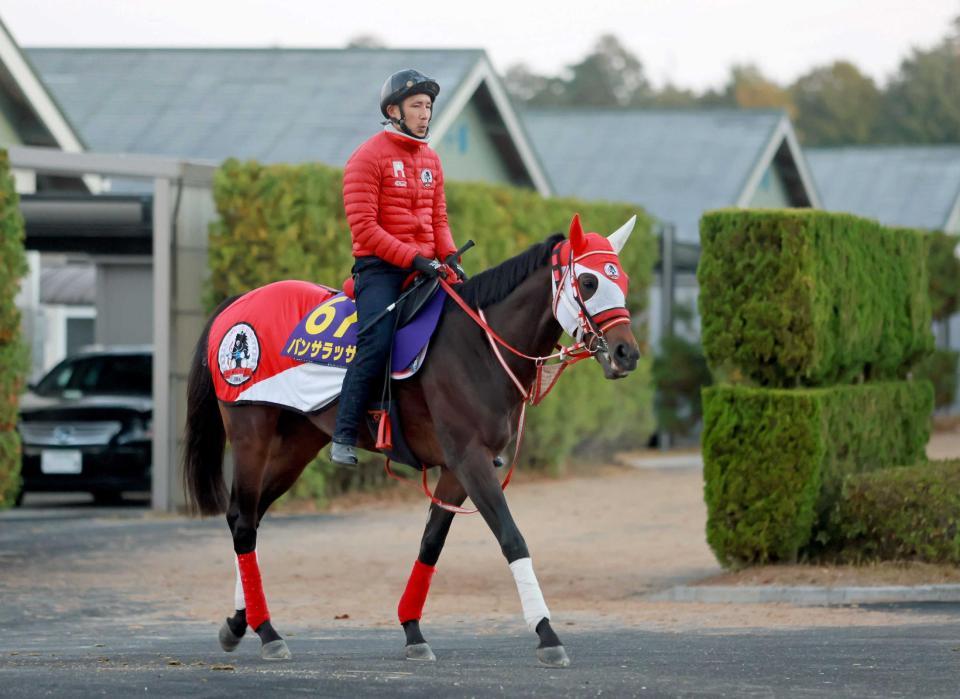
(251, 431)
(410, 608)
(296, 443)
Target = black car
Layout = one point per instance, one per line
(87, 424)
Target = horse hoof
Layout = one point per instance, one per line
(420, 651)
(555, 656)
(275, 650)
(228, 640)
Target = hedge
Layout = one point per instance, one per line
(287, 222)
(910, 513)
(775, 459)
(12, 353)
(9, 467)
(944, 270)
(680, 373)
(940, 368)
(14, 364)
(812, 298)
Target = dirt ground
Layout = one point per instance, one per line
(599, 544)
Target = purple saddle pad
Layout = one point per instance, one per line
(328, 334)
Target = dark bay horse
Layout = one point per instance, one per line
(458, 413)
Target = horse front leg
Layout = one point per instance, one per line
(410, 609)
(476, 473)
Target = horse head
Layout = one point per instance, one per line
(590, 296)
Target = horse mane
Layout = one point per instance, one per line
(495, 284)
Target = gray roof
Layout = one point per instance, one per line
(273, 105)
(38, 118)
(676, 164)
(916, 186)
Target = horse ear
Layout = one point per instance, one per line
(578, 239)
(620, 236)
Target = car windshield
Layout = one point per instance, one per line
(127, 374)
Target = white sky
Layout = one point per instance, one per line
(690, 42)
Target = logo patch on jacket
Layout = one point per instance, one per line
(426, 176)
(398, 174)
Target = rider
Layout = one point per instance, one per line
(397, 212)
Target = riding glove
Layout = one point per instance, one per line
(428, 268)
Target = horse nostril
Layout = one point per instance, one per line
(625, 355)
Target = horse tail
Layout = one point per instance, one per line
(205, 437)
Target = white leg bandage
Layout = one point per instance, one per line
(531, 598)
(239, 602)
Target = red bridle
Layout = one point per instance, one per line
(547, 374)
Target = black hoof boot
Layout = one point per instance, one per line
(232, 630)
(417, 647)
(274, 647)
(550, 652)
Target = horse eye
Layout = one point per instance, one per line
(588, 285)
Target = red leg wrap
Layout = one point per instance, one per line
(257, 611)
(411, 604)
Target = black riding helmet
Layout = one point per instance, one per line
(401, 85)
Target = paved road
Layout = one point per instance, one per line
(82, 658)
(91, 652)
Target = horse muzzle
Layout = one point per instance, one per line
(621, 354)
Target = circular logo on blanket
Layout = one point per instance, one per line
(239, 354)
(611, 270)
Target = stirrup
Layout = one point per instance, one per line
(344, 454)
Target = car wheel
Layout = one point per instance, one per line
(107, 497)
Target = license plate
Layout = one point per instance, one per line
(61, 461)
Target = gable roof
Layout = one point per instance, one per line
(916, 186)
(675, 163)
(46, 122)
(272, 105)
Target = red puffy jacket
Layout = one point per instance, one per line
(393, 196)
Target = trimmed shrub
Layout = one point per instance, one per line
(287, 222)
(775, 460)
(812, 298)
(9, 467)
(940, 368)
(14, 363)
(680, 372)
(944, 271)
(12, 353)
(910, 513)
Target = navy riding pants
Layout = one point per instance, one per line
(377, 284)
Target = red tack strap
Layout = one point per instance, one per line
(456, 509)
(472, 314)
(503, 363)
(384, 430)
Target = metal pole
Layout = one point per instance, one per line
(163, 471)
